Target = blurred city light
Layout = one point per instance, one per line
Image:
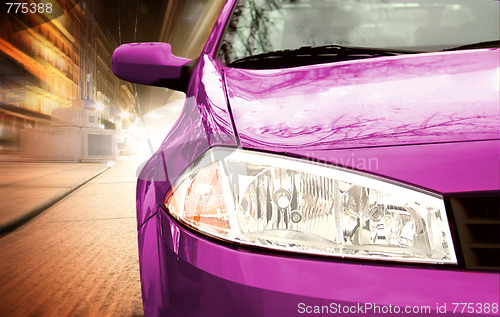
(64, 63)
(152, 131)
(124, 115)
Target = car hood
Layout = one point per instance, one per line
(408, 103)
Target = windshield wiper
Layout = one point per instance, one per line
(487, 44)
(311, 55)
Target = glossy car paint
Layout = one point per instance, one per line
(435, 98)
(204, 122)
(149, 64)
(198, 277)
(186, 274)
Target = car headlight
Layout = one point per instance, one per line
(287, 204)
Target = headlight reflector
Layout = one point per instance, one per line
(294, 205)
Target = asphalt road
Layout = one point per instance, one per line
(79, 257)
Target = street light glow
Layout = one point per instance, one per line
(124, 115)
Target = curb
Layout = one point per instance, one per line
(18, 222)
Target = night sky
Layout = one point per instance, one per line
(150, 15)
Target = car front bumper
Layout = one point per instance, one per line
(186, 274)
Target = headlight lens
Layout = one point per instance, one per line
(293, 205)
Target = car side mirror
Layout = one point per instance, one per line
(151, 64)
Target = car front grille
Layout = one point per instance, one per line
(477, 220)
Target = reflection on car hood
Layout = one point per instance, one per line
(425, 98)
(433, 98)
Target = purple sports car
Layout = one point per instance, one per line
(332, 158)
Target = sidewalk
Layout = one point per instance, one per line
(28, 188)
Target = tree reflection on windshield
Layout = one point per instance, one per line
(248, 29)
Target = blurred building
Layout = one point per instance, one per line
(62, 63)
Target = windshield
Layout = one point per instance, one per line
(261, 26)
